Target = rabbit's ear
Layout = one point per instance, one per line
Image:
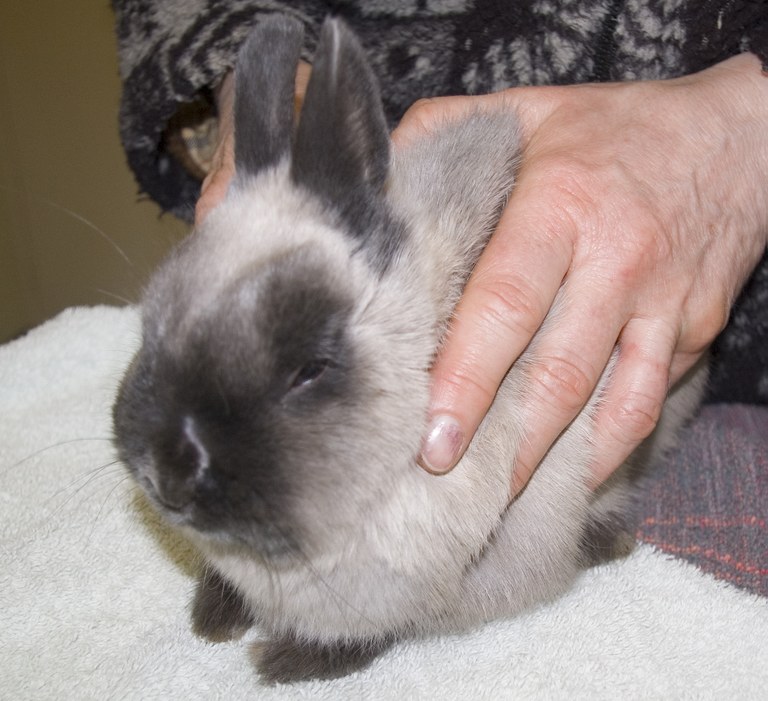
(264, 89)
(342, 141)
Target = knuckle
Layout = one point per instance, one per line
(703, 324)
(719, 320)
(465, 381)
(423, 104)
(464, 391)
(428, 113)
(645, 243)
(631, 234)
(421, 114)
(562, 167)
(510, 306)
(575, 187)
(714, 322)
(562, 381)
(635, 417)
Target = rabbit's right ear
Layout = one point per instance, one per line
(264, 90)
(342, 142)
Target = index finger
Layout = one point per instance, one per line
(505, 301)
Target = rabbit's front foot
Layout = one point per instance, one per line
(290, 659)
(219, 612)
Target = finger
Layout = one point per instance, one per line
(635, 394)
(564, 366)
(429, 113)
(505, 301)
(213, 190)
(531, 104)
(303, 73)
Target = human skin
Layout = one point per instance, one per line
(641, 205)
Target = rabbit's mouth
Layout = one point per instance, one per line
(224, 516)
(261, 538)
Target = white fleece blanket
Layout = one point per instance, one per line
(94, 590)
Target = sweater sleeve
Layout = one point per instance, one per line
(717, 30)
(740, 354)
(172, 53)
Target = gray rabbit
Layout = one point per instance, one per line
(276, 407)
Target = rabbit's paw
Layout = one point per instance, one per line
(289, 659)
(604, 539)
(219, 612)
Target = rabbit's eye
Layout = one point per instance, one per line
(308, 373)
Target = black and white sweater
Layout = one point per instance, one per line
(173, 51)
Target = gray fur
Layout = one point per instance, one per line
(342, 144)
(219, 612)
(342, 139)
(285, 660)
(276, 409)
(264, 108)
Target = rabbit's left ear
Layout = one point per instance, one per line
(264, 88)
(342, 143)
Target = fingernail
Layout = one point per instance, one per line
(442, 445)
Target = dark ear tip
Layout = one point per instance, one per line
(336, 32)
(280, 24)
(334, 23)
(277, 28)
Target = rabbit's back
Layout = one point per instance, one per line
(450, 187)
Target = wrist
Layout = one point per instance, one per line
(736, 93)
(744, 111)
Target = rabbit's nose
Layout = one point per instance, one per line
(175, 494)
(186, 466)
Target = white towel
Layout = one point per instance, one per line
(94, 589)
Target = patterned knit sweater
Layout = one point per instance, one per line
(172, 52)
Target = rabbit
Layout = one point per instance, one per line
(275, 409)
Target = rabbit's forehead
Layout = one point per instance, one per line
(256, 227)
(265, 217)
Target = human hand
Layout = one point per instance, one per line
(215, 184)
(643, 207)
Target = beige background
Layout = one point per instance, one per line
(67, 197)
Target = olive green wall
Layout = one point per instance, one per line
(67, 198)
